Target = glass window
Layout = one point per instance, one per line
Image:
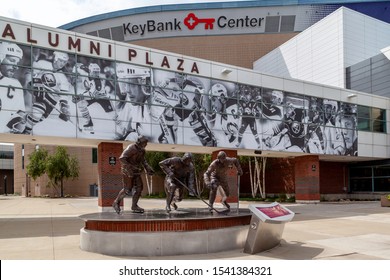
(370, 179)
(371, 119)
(364, 124)
(364, 112)
(382, 171)
(381, 184)
(361, 185)
(94, 155)
(378, 126)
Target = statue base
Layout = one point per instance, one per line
(184, 231)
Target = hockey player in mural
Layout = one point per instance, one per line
(346, 136)
(163, 102)
(289, 134)
(249, 108)
(330, 108)
(50, 87)
(272, 104)
(223, 113)
(92, 88)
(315, 137)
(313, 125)
(185, 95)
(12, 105)
(134, 101)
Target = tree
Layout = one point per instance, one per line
(37, 166)
(201, 162)
(256, 166)
(153, 159)
(59, 167)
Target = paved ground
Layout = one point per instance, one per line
(49, 229)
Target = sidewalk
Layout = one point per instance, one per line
(49, 229)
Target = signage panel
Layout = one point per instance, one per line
(271, 212)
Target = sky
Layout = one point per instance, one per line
(54, 13)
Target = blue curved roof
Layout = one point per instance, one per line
(234, 4)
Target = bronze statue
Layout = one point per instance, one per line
(216, 176)
(132, 164)
(179, 172)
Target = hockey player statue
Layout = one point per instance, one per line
(133, 163)
(180, 173)
(216, 177)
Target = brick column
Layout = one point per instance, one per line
(307, 179)
(232, 180)
(110, 178)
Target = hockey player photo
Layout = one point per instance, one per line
(331, 110)
(290, 134)
(51, 90)
(12, 103)
(186, 95)
(249, 109)
(316, 121)
(134, 102)
(222, 112)
(94, 98)
(272, 104)
(347, 130)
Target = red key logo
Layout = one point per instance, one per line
(191, 21)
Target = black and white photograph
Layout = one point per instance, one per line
(12, 77)
(96, 98)
(222, 112)
(184, 120)
(133, 102)
(50, 90)
(249, 109)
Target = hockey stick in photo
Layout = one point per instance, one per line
(59, 111)
(198, 196)
(69, 120)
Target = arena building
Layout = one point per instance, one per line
(193, 65)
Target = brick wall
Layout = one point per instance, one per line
(307, 178)
(109, 168)
(338, 180)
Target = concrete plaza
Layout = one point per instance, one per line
(49, 229)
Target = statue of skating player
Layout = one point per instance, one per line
(179, 171)
(132, 165)
(216, 176)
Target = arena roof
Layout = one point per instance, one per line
(360, 6)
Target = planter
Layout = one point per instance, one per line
(384, 201)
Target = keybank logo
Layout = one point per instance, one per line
(192, 22)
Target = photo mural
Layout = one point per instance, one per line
(54, 93)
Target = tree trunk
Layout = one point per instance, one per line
(62, 188)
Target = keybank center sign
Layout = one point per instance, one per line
(190, 22)
(216, 22)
